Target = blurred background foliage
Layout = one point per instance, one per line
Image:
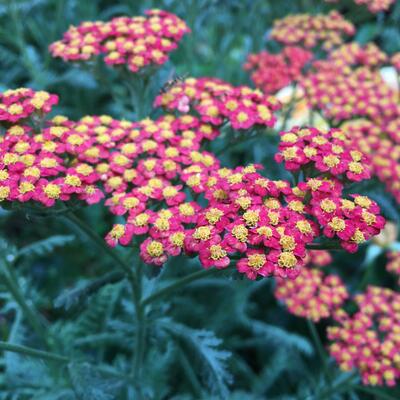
(246, 345)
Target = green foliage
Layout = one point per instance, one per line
(224, 338)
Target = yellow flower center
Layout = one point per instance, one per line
(214, 215)
(256, 261)
(155, 248)
(52, 191)
(356, 167)
(287, 242)
(251, 217)
(287, 259)
(141, 219)
(337, 224)
(331, 161)
(202, 233)
(177, 239)
(4, 192)
(217, 252)
(186, 210)
(303, 226)
(363, 201)
(170, 191)
(240, 232)
(72, 180)
(328, 205)
(117, 231)
(130, 202)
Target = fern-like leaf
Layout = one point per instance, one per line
(206, 346)
(45, 246)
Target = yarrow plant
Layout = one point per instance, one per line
(166, 193)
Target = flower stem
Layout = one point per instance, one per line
(320, 348)
(32, 352)
(140, 334)
(32, 316)
(324, 246)
(177, 285)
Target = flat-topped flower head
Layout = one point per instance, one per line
(312, 295)
(374, 6)
(312, 30)
(218, 102)
(272, 72)
(20, 104)
(135, 42)
(369, 339)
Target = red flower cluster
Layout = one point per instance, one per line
(374, 6)
(370, 339)
(20, 104)
(135, 42)
(217, 102)
(312, 30)
(41, 167)
(272, 72)
(329, 152)
(313, 295)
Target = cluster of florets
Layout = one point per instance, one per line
(374, 6)
(351, 221)
(312, 30)
(136, 42)
(218, 102)
(312, 295)
(329, 152)
(23, 103)
(352, 55)
(272, 72)
(342, 96)
(393, 264)
(369, 340)
(40, 167)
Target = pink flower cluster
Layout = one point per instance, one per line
(330, 152)
(312, 295)
(312, 30)
(369, 340)
(272, 72)
(374, 6)
(136, 42)
(342, 96)
(351, 222)
(41, 168)
(218, 102)
(20, 104)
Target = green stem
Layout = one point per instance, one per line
(140, 334)
(320, 348)
(324, 246)
(177, 285)
(32, 316)
(32, 352)
(98, 240)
